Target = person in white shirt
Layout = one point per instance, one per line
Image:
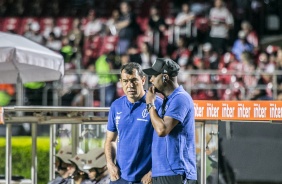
(221, 21)
(93, 26)
(183, 20)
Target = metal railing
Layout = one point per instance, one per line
(77, 116)
(74, 116)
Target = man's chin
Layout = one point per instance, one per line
(131, 94)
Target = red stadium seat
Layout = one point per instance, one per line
(143, 38)
(109, 44)
(169, 21)
(65, 23)
(26, 21)
(45, 22)
(143, 23)
(92, 49)
(202, 24)
(11, 24)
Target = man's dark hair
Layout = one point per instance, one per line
(129, 67)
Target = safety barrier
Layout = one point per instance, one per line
(259, 111)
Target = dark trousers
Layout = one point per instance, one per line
(122, 181)
(219, 44)
(176, 179)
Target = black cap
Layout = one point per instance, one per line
(163, 65)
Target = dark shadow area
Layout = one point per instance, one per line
(253, 151)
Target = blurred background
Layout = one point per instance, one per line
(227, 50)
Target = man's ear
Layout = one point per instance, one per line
(166, 77)
(144, 79)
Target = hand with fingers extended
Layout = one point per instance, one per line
(114, 172)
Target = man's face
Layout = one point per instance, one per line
(132, 85)
(124, 8)
(92, 174)
(71, 169)
(157, 81)
(63, 171)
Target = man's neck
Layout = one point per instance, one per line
(169, 89)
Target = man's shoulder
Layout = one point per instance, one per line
(182, 96)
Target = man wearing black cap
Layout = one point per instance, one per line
(173, 147)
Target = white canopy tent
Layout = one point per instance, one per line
(21, 61)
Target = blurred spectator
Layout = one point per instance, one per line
(228, 61)
(124, 59)
(246, 75)
(279, 69)
(227, 64)
(112, 20)
(266, 67)
(210, 57)
(241, 45)
(93, 26)
(157, 27)
(53, 43)
(89, 78)
(75, 34)
(201, 82)
(182, 54)
(89, 81)
(156, 22)
(184, 20)
(251, 34)
(147, 56)
(33, 33)
(134, 55)
(221, 22)
(49, 25)
(263, 90)
(264, 63)
(107, 81)
(126, 27)
(68, 51)
(92, 48)
(68, 92)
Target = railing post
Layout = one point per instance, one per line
(203, 153)
(52, 152)
(34, 153)
(8, 171)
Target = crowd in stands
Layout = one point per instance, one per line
(198, 37)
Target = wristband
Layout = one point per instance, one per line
(149, 106)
